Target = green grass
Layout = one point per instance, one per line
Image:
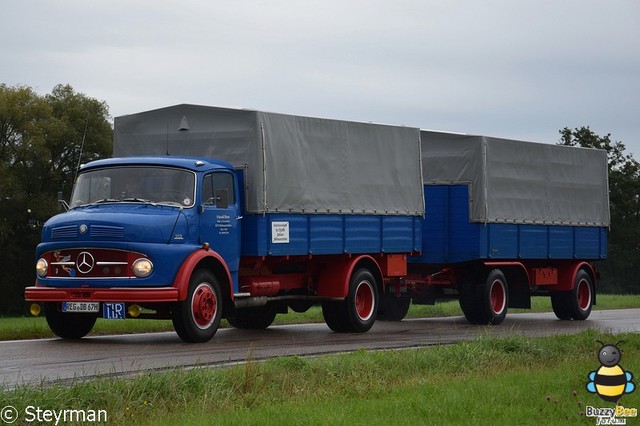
(34, 328)
(514, 380)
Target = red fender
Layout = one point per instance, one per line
(334, 278)
(567, 275)
(184, 273)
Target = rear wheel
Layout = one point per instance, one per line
(486, 302)
(577, 303)
(196, 319)
(560, 305)
(68, 325)
(393, 308)
(357, 313)
(257, 318)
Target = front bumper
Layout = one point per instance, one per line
(131, 295)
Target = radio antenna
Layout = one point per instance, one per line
(167, 138)
(84, 136)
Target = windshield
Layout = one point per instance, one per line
(135, 184)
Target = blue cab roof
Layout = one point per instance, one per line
(190, 163)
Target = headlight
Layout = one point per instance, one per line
(142, 268)
(42, 267)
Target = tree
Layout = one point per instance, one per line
(620, 271)
(41, 139)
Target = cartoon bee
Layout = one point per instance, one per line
(610, 381)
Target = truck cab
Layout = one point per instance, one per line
(122, 249)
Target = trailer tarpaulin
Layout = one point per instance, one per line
(293, 164)
(521, 182)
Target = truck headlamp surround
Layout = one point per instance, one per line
(42, 267)
(142, 268)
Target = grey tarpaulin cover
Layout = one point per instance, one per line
(294, 164)
(521, 182)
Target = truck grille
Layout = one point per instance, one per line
(64, 232)
(95, 231)
(90, 263)
(101, 231)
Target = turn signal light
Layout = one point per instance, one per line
(134, 311)
(34, 309)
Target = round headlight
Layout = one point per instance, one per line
(42, 267)
(142, 268)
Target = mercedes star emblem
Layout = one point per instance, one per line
(85, 262)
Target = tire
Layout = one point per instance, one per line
(196, 319)
(257, 318)
(357, 313)
(487, 301)
(577, 303)
(560, 304)
(68, 325)
(581, 299)
(393, 308)
(468, 303)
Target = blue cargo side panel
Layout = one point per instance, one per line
(588, 244)
(299, 234)
(534, 241)
(326, 234)
(502, 241)
(449, 237)
(363, 234)
(398, 233)
(447, 234)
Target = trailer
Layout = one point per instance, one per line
(207, 213)
(506, 220)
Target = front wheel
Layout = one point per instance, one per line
(196, 319)
(68, 325)
(357, 313)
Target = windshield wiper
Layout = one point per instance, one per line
(104, 200)
(138, 200)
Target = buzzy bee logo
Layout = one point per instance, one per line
(610, 382)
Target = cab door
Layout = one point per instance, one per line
(219, 219)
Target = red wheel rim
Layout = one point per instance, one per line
(584, 295)
(204, 305)
(498, 297)
(364, 300)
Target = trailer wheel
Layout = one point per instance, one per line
(196, 319)
(582, 296)
(468, 302)
(577, 303)
(486, 302)
(257, 318)
(393, 308)
(560, 305)
(68, 325)
(357, 313)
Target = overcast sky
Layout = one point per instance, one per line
(519, 69)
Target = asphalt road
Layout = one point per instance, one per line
(57, 360)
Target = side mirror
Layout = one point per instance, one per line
(63, 206)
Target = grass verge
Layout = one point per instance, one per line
(36, 327)
(514, 380)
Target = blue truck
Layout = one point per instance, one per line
(207, 213)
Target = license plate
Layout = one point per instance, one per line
(113, 310)
(80, 307)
